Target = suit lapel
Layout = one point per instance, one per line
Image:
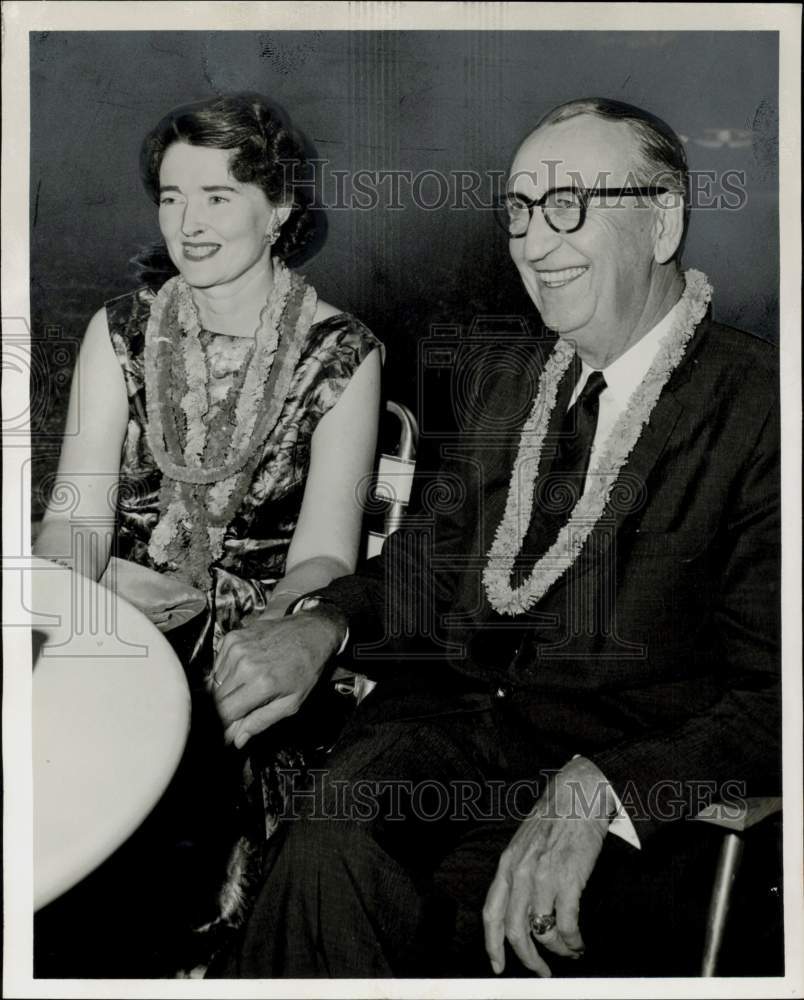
(539, 535)
(500, 461)
(629, 492)
(553, 433)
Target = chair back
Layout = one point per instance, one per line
(388, 494)
(393, 479)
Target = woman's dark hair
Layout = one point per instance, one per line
(266, 152)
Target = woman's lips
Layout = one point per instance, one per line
(199, 251)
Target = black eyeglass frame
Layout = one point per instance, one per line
(585, 194)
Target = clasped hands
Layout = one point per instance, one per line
(265, 671)
(545, 867)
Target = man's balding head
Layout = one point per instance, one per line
(661, 159)
(606, 272)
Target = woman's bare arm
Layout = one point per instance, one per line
(79, 521)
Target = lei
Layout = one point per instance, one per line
(207, 454)
(603, 472)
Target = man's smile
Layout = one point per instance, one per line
(558, 279)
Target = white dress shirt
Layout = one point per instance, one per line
(622, 378)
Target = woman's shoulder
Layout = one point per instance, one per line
(325, 311)
(334, 330)
(127, 314)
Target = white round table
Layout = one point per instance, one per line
(111, 712)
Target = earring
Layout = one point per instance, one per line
(272, 234)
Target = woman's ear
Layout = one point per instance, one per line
(282, 213)
(279, 217)
(668, 225)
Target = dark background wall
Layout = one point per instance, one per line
(415, 101)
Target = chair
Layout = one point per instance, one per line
(388, 495)
(734, 820)
(394, 478)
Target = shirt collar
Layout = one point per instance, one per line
(624, 375)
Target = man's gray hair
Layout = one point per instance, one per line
(664, 159)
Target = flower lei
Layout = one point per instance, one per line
(603, 472)
(207, 455)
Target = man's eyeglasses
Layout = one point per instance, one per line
(563, 208)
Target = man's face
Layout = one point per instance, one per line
(594, 285)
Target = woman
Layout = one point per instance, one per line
(244, 408)
(234, 410)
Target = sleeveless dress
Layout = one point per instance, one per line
(221, 797)
(259, 535)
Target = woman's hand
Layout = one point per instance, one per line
(264, 672)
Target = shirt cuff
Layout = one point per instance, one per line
(621, 825)
(308, 604)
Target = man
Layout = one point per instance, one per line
(598, 669)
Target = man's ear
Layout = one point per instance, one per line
(668, 225)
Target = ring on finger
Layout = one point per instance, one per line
(541, 923)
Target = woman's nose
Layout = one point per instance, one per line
(192, 222)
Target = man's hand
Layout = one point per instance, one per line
(546, 866)
(265, 671)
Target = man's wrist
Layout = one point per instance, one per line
(601, 790)
(592, 794)
(330, 612)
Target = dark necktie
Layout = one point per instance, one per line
(560, 487)
(577, 434)
(557, 491)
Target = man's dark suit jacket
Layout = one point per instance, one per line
(657, 654)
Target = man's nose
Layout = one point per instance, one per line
(540, 238)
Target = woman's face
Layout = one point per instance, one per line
(214, 226)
